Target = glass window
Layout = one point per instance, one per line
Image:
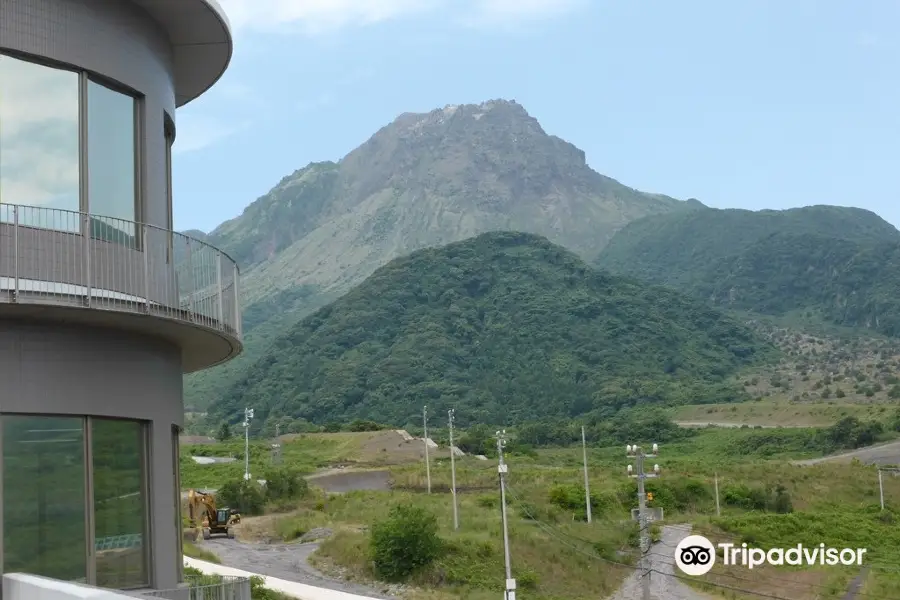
(39, 143)
(111, 162)
(119, 503)
(44, 496)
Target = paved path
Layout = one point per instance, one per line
(882, 454)
(663, 585)
(291, 588)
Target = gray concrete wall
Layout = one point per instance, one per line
(115, 39)
(55, 369)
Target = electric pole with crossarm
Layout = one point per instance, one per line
(502, 469)
(638, 454)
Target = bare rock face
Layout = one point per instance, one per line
(426, 179)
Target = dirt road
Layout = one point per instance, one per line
(663, 584)
(284, 561)
(289, 561)
(696, 424)
(338, 481)
(882, 454)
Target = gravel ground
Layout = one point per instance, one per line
(285, 561)
(348, 481)
(662, 587)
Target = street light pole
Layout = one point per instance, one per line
(453, 470)
(425, 437)
(510, 593)
(248, 415)
(587, 490)
(638, 453)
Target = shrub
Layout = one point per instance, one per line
(246, 496)
(404, 542)
(285, 484)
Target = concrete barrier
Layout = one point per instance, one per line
(19, 586)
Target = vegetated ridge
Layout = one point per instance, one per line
(822, 263)
(423, 180)
(506, 327)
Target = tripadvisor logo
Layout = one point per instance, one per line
(696, 555)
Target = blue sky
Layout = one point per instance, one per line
(756, 104)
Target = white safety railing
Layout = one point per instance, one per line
(206, 587)
(59, 257)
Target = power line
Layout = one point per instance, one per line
(550, 530)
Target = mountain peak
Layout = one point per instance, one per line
(428, 179)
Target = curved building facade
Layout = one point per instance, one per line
(103, 307)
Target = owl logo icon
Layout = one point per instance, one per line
(695, 555)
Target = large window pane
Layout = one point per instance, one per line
(39, 143)
(44, 496)
(111, 161)
(119, 503)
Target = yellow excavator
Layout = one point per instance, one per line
(202, 511)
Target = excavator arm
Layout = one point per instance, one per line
(201, 509)
(204, 514)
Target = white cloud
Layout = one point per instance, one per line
(869, 40)
(319, 16)
(505, 12)
(196, 132)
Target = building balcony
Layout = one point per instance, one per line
(108, 272)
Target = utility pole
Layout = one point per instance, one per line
(716, 480)
(453, 470)
(248, 415)
(587, 491)
(510, 593)
(881, 489)
(638, 453)
(425, 437)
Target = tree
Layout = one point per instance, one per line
(404, 542)
(285, 484)
(224, 432)
(246, 496)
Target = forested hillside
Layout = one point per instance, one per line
(832, 264)
(424, 180)
(507, 327)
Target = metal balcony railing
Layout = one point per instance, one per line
(58, 257)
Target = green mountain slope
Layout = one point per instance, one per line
(506, 327)
(422, 181)
(832, 263)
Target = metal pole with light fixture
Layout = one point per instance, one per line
(248, 415)
(425, 437)
(453, 470)
(502, 469)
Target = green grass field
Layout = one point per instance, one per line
(555, 554)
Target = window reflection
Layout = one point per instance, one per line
(111, 162)
(117, 453)
(39, 142)
(44, 496)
